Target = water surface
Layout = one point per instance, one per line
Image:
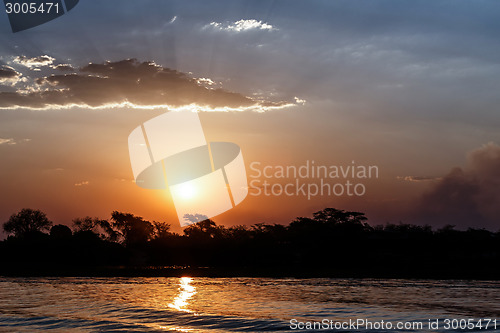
(233, 304)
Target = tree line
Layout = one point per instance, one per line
(332, 242)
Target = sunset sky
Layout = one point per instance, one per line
(409, 86)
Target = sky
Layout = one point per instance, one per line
(408, 86)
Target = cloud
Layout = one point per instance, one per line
(241, 25)
(8, 73)
(467, 197)
(63, 67)
(11, 141)
(84, 183)
(130, 83)
(6, 141)
(417, 179)
(205, 81)
(35, 62)
(10, 77)
(299, 100)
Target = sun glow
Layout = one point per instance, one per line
(186, 291)
(187, 191)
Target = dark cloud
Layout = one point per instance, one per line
(467, 197)
(142, 84)
(8, 73)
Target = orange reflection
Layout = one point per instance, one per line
(186, 291)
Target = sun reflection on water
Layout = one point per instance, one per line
(186, 291)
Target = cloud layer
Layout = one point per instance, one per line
(122, 83)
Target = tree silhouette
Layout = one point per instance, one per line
(204, 229)
(97, 226)
(338, 216)
(331, 242)
(27, 221)
(161, 229)
(60, 231)
(134, 229)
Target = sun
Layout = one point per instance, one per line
(187, 191)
